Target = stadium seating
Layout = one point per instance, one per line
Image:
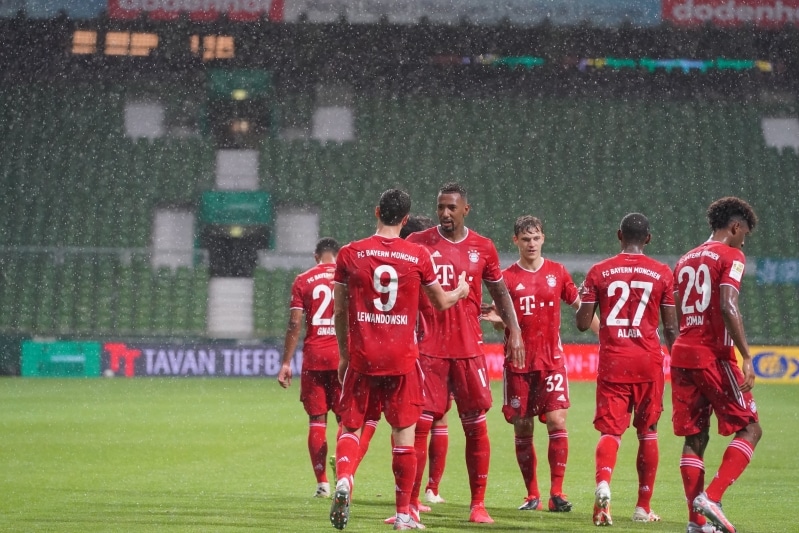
(71, 178)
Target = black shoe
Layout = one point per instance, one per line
(559, 504)
(530, 504)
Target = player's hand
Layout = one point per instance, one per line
(463, 286)
(284, 376)
(749, 376)
(514, 349)
(488, 312)
(343, 364)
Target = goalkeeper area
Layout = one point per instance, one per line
(225, 455)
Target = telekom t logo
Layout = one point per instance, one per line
(445, 274)
(527, 304)
(119, 351)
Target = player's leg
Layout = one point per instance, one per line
(691, 420)
(367, 432)
(313, 394)
(558, 455)
(736, 414)
(527, 461)
(437, 459)
(469, 379)
(552, 401)
(611, 419)
(648, 401)
(403, 407)
(517, 408)
(436, 398)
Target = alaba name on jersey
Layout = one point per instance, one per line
(312, 292)
(383, 278)
(698, 278)
(536, 296)
(456, 333)
(630, 289)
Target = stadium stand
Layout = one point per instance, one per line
(72, 179)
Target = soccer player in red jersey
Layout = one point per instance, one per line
(439, 434)
(312, 295)
(451, 352)
(705, 375)
(632, 291)
(541, 387)
(376, 301)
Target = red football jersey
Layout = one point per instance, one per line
(698, 276)
(312, 292)
(383, 278)
(536, 296)
(630, 288)
(456, 333)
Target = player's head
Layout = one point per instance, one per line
(634, 229)
(528, 236)
(733, 215)
(452, 208)
(527, 224)
(394, 206)
(326, 246)
(416, 223)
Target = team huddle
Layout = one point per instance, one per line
(406, 305)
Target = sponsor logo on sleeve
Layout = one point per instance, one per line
(737, 270)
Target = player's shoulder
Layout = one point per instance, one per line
(425, 236)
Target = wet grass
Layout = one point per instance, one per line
(230, 455)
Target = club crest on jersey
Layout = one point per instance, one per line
(474, 256)
(752, 406)
(515, 402)
(552, 280)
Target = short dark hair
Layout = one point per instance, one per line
(634, 228)
(725, 210)
(327, 244)
(453, 188)
(416, 223)
(395, 204)
(527, 223)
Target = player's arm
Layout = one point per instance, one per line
(290, 346)
(735, 327)
(443, 300)
(671, 324)
(488, 312)
(585, 317)
(341, 303)
(514, 348)
(594, 325)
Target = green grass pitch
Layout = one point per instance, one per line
(230, 455)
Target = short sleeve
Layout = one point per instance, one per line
(296, 295)
(569, 291)
(341, 276)
(492, 271)
(588, 291)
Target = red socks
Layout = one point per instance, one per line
(734, 461)
(423, 426)
(367, 433)
(558, 454)
(478, 455)
(607, 450)
(404, 466)
(317, 448)
(348, 450)
(647, 466)
(526, 458)
(692, 469)
(439, 443)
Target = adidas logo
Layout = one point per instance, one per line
(519, 287)
(436, 254)
(561, 398)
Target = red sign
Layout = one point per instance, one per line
(581, 361)
(198, 10)
(730, 13)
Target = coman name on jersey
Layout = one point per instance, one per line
(375, 318)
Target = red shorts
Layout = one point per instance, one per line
(529, 394)
(365, 397)
(615, 403)
(319, 391)
(465, 379)
(698, 392)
